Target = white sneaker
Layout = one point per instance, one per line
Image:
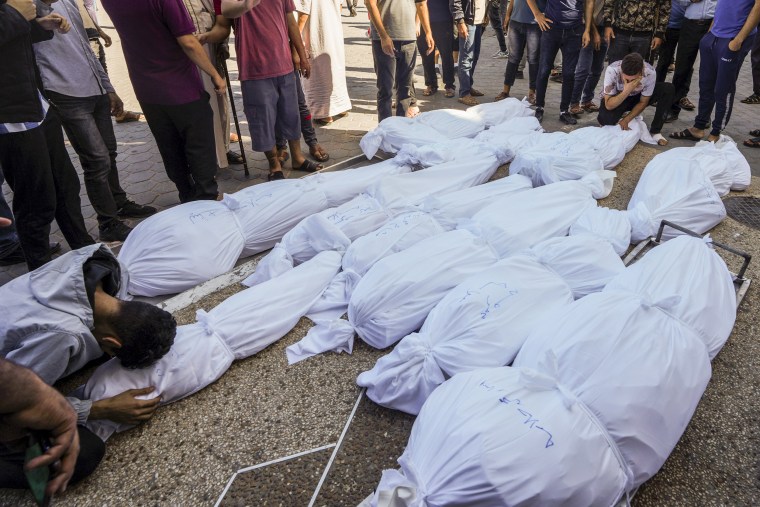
(500, 54)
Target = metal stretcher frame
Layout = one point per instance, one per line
(741, 283)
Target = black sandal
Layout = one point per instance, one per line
(685, 135)
(752, 99)
(276, 175)
(308, 166)
(755, 133)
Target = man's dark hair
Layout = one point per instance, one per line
(632, 64)
(146, 333)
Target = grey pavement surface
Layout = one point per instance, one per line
(263, 410)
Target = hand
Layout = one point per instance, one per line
(54, 22)
(26, 8)
(4, 222)
(125, 408)
(585, 39)
(543, 22)
(597, 41)
(630, 86)
(505, 24)
(430, 43)
(220, 85)
(462, 30)
(386, 43)
(202, 38)
(305, 66)
(609, 34)
(656, 42)
(296, 60)
(624, 123)
(117, 106)
(734, 45)
(106, 38)
(417, 29)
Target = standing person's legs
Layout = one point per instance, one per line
(466, 57)
(496, 20)
(68, 207)
(663, 95)
(170, 146)
(385, 70)
(516, 42)
(686, 54)
(597, 65)
(729, 65)
(641, 43)
(307, 126)
(532, 55)
(443, 36)
(78, 117)
(195, 122)
(755, 61)
(582, 71)
(550, 44)
(479, 29)
(260, 100)
(406, 59)
(288, 121)
(708, 75)
(26, 165)
(618, 47)
(667, 53)
(428, 63)
(571, 48)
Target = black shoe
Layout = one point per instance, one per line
(234, 158)
(54, 248)
(520, 75)
(539, 114)
(567, 118)
(15, 257)
(131, 209)
(114, 230)
(670, 116)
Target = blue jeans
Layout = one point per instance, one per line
(567, 40)
(469, 52)
(718, 71)
(87, 122)
(588, 71)
(8, 237)
(394, 72)
(519, 37)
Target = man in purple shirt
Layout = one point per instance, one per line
(162, 53)
(721, 53)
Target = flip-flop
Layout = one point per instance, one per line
(685, 135)
(753, 143)
(755, 133)
(323, 157)
(277, 175)
(308, 166)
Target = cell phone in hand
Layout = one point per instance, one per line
(38, 478)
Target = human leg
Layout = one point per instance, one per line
(406, 58)
(729, 64)
(466, 57)
(385, 70)
(169, 143)
(550, 44)
(686, 54)
(662, 95)
(496, 20)
(443, 36)
(8, 237)
(582, 71)
(708, 68)
(196, 124)
(667, 53)
(516, 41)
(428, 62)
(595, 74)
(612, 116)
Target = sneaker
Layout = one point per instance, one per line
(567, 118)
(114, 230)
(539, 114)
(131, 209)
(500, 54)
(520, 75)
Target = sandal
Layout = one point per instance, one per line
(128, 116)
(686, 104)
(476, 93)
(324, 121)
(752, 99)
(468, 100)
(753, 143)
(308, 166)
(276, 175)
(449, 93)
(755, 133)
(501, 96)
(590, 106)
(576, 109)
(685, 135)
(318, 153)
(427, 92)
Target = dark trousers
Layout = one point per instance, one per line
(569, 42)
(755, 59)
(8, 236)
(663, 94)
(496, 18)
(394, 72)
(692, 32)
(522, 36)
(185, 138)
(443, 36)
(307, 126)
(91, 451)
(626, 42)
(588, 71)
(667, 53)
(718, 71)
(45, 187)
(88, 125)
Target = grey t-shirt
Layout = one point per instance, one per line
(398, 19)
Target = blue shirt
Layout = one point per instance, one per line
(565, 13)
(522, 13)
(677, 11)
(704, 9)
(730, 17)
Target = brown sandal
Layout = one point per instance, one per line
(427, 92)
(449, 93)
(590, 106)
(576, 109)
(501, 96)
